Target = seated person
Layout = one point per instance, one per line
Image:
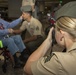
(33, 26)
(57, 63)
(13, 43)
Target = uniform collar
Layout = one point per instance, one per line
(72, 48)
(31, 20)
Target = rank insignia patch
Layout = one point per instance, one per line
(48, 58)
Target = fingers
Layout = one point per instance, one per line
(50, 34)
(21, 17)
(10, 30)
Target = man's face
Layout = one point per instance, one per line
(25, 15)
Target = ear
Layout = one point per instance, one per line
(62, 32)
(62, 35)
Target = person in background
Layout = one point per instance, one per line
(33, 26)
(57, 63)
(13, 43)
(32, 4)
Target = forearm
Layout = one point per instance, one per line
(4, 32)
(15, 23)
(30, 39)
(40, 52)
(17, 31)
(43, 48)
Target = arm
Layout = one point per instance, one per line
(6, 31)
(33, 5)
(33, 8)
(17, 31)
(8, 25)
(11, 24)
(34, 37)
(40, 52)
(14, 23)
(21, 29)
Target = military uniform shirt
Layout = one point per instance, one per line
(58, 64)
(34, 27)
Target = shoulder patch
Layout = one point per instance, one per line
(37, 28)
(48, 57)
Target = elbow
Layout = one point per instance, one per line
(27, 70)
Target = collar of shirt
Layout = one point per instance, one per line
(30, 21)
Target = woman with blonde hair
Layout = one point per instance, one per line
(57, 63)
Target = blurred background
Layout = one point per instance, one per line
(10, 9)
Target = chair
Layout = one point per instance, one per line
(7, 55)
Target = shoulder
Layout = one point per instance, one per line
(24, 22)
(64, 57)
(36, 21)
(53, 64)
(63, 54)
(47, 65)
(60, 55)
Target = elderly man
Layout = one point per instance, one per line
(13, 43)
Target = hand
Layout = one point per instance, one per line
(10, 30)
(33, 8)
(49, 37)
(21, 17)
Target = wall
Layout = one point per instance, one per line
(14, 8)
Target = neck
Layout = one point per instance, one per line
(69, 44)
(29, 19)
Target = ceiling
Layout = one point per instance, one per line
(4, 3)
